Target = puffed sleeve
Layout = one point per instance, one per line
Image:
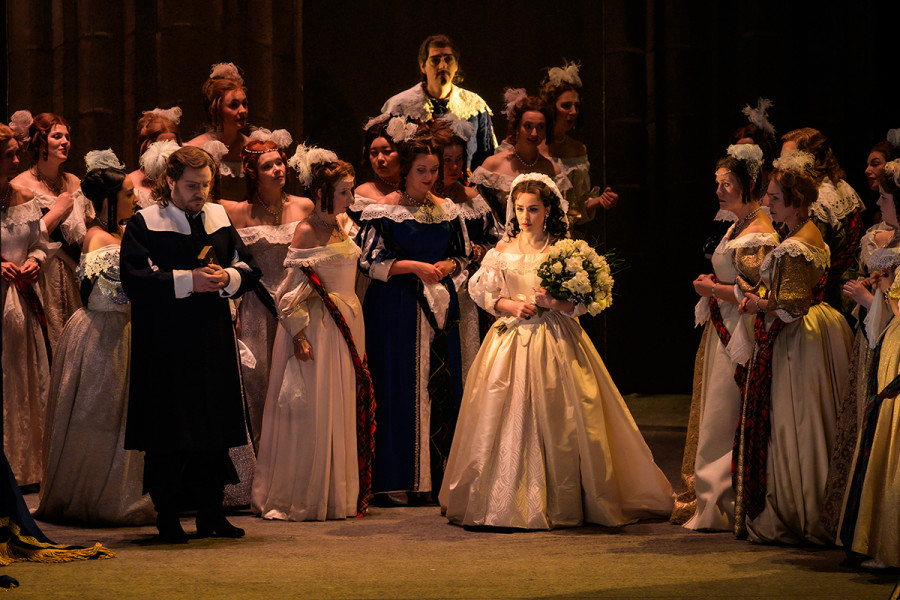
(793, 283)
(483, 142)
(488, 285)
(376, 258)
(748, 258)
(292, 298)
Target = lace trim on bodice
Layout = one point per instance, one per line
(725, 215)
(274, 234)
(103, 264)
(473, 209)
(883, 258)
(22, 214)
(752, 240)
(820, 257)
(360, 203)
(447, 211)
(522, 264)
(835, 203)
(310, 257)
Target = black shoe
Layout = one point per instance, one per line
(216, 525)
(170, 530)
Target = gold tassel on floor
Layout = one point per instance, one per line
(16, 547)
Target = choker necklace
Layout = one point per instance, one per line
(323, 225)
(797, 228)
(742, 223)
(519, 244)
(386, 183)
(274, 213)
(413, 202)
(54, 185)
(527, 165)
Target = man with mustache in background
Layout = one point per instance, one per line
(438, 94)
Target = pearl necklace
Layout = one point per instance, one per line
(519, 244)
(388, 184)
(521, 160)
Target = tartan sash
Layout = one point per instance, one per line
(715, 316)
(365, 397)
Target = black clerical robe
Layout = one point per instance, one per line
(185, 391)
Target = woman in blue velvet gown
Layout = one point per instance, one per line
(413, 249)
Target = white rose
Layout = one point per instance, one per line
(594, 309)
(556, 268)
(574, 264)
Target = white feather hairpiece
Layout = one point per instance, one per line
(511, 97)
(153, 160)
(226, 71)
(400, 129)
(759, 116)
(460, 128)
(567, 74)
(376, 121)
(102, 159)
(305, 157)
(750, 154)
(510, 208)
(218, 150)
(893, 137)
(21, 122)
(172, 114)
(280, 137)
(795, 161)
(892, 169)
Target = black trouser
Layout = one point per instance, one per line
(177, 480)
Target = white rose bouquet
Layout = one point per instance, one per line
(576, 273)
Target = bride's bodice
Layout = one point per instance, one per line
(335, 264)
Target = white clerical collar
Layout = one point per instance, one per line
(174, 219)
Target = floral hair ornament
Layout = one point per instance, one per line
(750, 154)
(460, 128)
(218, 150)
(795, 161)
(279, 137)
(893, 136)
(565, 74)
(759, 116)
(21, 122)
(153, 160)
(892, 170)
(400, 129)
(511, 97)
(305, 157)
(171, 114)
(540, 177)
(226, 71)
(102, 159)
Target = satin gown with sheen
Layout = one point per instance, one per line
(89, 477)
(544, 438)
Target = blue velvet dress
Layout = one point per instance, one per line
(412, 342)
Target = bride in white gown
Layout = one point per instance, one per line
(544, 438)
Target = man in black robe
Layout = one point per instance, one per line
(181, 260)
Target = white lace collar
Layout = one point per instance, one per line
(513, 261)
(751, 240)
(98, 261)
(308, 257)
(475, 208)
(416, 103)
(173, 219)
(361, 202)
(399, 213)
(275, 234)
(835, 203)
(820, 257)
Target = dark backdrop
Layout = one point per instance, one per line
(664, 85)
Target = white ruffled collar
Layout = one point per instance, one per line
(416, 103)
(475, 208)
(398, 213)
(20, 214)
(836, 202)
(173, 219)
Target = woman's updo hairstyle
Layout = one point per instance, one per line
(250, 162)
(325, 177)
(39, 134)
(739, 169)
(151, 126)
(103, 182)
(409, 150)
(526, 104)
(813, 141)
(223, 78)
(795, 173)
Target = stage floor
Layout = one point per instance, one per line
(415, 553)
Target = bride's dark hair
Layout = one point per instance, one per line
(555, 219)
